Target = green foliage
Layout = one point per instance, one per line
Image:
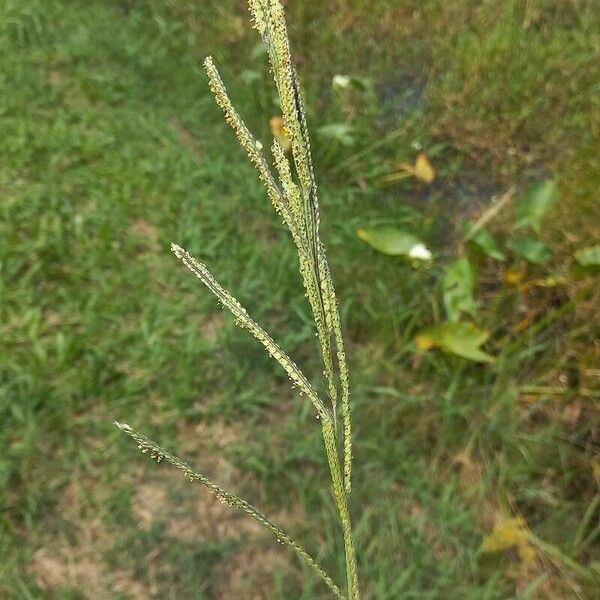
(510, 64)
(588, 257)
(530, 249)
(395, 242)
(463, 339)
(458, 289)
(342, 133)
(483, 240)
(535, 204)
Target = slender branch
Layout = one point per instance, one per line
(245, 321)
(343, 373)
(490, 213)
(253, 149)
(340, 497)
(225, 497)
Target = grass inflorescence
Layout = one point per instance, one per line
(296, 202)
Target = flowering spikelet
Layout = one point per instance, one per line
(258, 16)
(342, 364)
(288, 185)
(296, 203)
(158, 453)
(317, 277)
(244, 320)
(292, 107)
(253, 148)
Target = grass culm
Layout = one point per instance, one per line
(293, 193)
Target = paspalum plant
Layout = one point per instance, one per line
(292, 190)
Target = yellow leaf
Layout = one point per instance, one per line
(277, 126)
(511, 533)
(512, 277)
(462, 339)
(526, 553)
(545, 282)
(424, 342)
(423, 169)
(278, 131)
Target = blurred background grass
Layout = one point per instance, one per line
(111, 148)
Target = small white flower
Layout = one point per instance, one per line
(340, 81)
(420, 252)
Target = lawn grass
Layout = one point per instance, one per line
(112, 148)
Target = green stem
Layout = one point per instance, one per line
(342, 506)
(576, 545)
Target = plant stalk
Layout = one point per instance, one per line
(341, 501)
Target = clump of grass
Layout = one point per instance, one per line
(293, 193)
